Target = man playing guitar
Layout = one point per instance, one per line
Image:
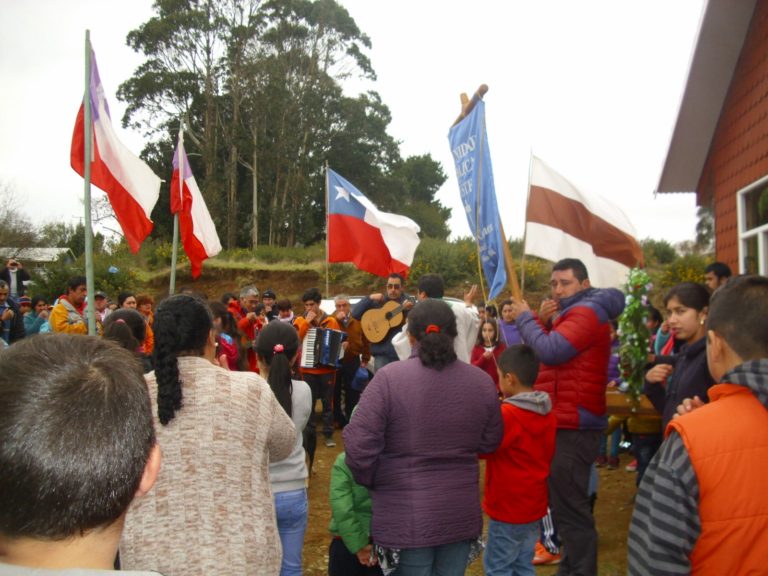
(383, 351)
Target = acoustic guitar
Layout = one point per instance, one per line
(378, 321)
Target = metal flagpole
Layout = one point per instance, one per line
(175, 252)
(327, 222)
(88, 154)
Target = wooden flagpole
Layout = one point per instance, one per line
(467, 105)
(527, 200)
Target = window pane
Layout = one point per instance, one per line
(750, 252)
(756, 208)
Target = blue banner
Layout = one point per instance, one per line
(469, 146)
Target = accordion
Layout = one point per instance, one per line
(322, 348)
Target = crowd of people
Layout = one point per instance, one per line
(181, 439)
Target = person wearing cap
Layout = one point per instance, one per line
(249, 324)
(101, 303)
(24, 303)
(268, 298)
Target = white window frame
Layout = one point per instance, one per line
(745, 235)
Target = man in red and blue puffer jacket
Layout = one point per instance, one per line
(572, 336)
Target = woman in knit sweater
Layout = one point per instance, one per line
(211, 511)
(276, 351)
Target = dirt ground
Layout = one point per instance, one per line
(612, 512)
(617, 487)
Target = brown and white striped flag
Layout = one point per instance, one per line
(565, 222)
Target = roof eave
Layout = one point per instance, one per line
(722, 30)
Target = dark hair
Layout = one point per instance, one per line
(227, 296)
(220, 310)
(398, 276)
(312, 294)
(229, 327)
(492, 322)
(259, 308)
(75, 435)
(182, 324)
(284, 304)
(719, 269)
(579, 270)
(654, 314)
(522, 361)
(37, 299)
(126, 327)
(74, 282)
(122, 297)
(273, 335)
(690, 295)
(492, 311)
(739, 313)
(432, 285)
(436, 346)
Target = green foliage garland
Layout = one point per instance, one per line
(633, 333)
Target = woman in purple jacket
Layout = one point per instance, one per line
(414, 442)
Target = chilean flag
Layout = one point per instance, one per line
(198, 233)
(130, 184)
(377, 242)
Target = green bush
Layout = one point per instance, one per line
(689, 268)
(52, 282)
(159, 254)
(658, 252)
(455, 261)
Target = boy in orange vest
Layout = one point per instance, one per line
(516, 473)
(702, 507)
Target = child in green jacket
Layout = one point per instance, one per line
(351, 552)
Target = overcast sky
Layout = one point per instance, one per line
(591, 87)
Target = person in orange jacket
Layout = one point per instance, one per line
(703, 496)
(321, 378)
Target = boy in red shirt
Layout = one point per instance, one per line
(516, 473)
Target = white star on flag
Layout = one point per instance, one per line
(342, 193)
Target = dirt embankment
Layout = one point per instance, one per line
(214, 282)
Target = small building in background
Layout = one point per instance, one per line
(36, 260)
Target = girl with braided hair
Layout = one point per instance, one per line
(212, 510)
(276, 352)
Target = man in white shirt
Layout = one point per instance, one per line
(467, 319)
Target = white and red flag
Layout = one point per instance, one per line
(198, 233)
(562, 221)
(132, 187)
(378, 242)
